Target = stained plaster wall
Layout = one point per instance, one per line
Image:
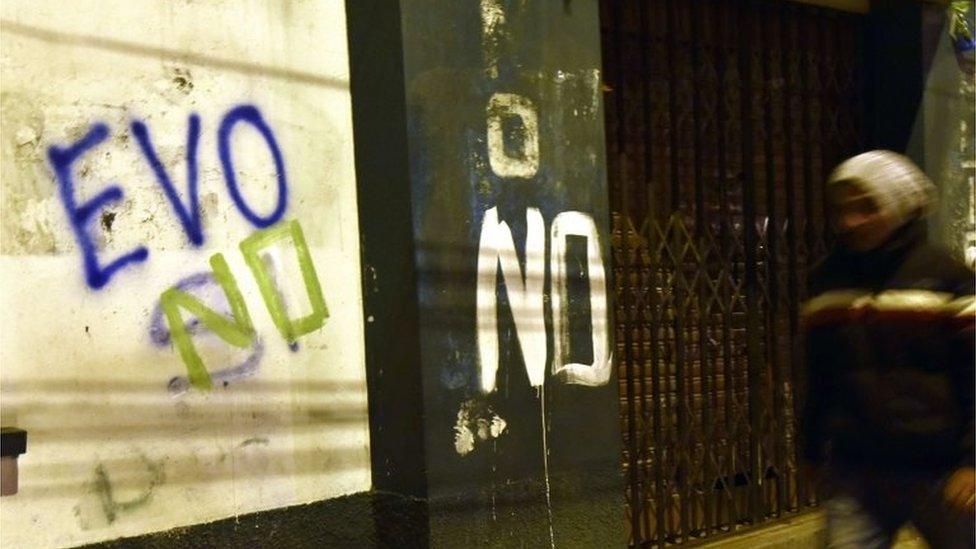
(944, 130)
(119, 443)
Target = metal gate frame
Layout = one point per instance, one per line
(723, 119)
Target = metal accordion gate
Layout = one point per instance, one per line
(723, 120)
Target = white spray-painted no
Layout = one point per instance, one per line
(598, 372)
(496, 250)
(525, 294)
(526, 290)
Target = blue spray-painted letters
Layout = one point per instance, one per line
(187, 211)
(62, 160)
(189, 217)
(250, 114)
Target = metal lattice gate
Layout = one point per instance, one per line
(723, 119)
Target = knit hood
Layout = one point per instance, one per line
(896, 184)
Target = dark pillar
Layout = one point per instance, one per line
(894, 58)
(476, 121)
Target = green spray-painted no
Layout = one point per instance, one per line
(239, 331)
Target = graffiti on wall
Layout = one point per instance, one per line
(205, 286)
(63, 159)
(497, 252)
(238, 330)
(197, 294)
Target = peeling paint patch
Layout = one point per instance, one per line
(585, 85)
(182, 79)
(25, 135)
(595, 88)
(476, 422)
(108, 219)
(492, 21)
(36, 226)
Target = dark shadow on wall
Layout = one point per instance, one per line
(235, 435)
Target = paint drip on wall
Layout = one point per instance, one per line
(476, 422)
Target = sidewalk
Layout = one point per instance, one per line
(800, 532)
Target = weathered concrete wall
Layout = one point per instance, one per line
(124, 437)
(510, 220)
(479, 137)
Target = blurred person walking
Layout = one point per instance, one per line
(889, 340)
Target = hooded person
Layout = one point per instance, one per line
(890, 364)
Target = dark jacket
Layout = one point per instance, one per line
(889, 341)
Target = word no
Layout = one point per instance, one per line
(63, 159)
(205, 286)
(239, 330)
(496, 250)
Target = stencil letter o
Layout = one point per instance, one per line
(503, 105)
